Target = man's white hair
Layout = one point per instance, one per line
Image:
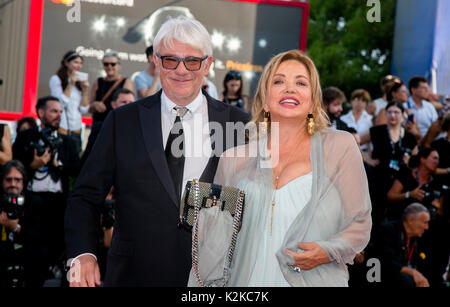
(184, 30)
(414, 210)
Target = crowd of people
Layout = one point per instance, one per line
(392, 176)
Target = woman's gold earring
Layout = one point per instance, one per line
(265, 123)
(310, 124)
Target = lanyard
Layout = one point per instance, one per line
(392, 142)
(410, 251)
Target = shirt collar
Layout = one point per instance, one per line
(412, 103)
(168, 104)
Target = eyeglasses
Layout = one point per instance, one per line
(109, 64)
(191, 63)
(11, 179)
(394, 112)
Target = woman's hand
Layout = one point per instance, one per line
(312, 257)
(85, 86)
(73, 79)
(417, 193)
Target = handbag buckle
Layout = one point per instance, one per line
(211, 202)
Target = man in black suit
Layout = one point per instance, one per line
(148, 150)
(48, 172)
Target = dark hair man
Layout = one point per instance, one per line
(49, 159)
(146, 82)
(333, 98)
(424, 112)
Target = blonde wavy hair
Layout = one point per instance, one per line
(320, 115)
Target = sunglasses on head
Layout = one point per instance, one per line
(109, 64)
(234, 74)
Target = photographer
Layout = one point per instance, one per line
(12, 176)
(49, 158)
(417, 183)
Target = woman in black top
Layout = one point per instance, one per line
(232, 93)
(392, 147)
(100, 104)
(416, 183)
(392, 144)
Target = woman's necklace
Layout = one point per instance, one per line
(275, 185)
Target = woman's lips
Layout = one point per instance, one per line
(289, 102)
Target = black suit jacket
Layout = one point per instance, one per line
(148, 248)
(391, 247)
(67, 154)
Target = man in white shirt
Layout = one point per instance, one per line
(146, 82)
(424, 112)
(148, 150)
(49, 158)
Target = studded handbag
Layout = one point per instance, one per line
(199, 195)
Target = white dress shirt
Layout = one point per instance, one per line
(72, 108)
(197, 141)
(362, 125)
(425, 115)
(42, 181)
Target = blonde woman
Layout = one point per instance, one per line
(307, 211)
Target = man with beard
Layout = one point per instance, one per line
(12, 177)
(333, 98)
(49, 158)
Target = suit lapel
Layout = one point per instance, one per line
(150, 120)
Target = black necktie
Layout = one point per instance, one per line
(175, 151)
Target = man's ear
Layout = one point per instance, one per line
(41, 113)
(210, 61)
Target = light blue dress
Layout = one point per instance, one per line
(289, 202)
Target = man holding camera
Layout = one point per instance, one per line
(49, 158)
(12, 177)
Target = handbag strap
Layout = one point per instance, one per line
(236, 224)
(111, 89)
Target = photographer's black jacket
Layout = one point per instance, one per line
(67, 154)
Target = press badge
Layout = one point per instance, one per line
(395, 165)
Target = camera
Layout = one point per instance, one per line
(49, 141)
(431, 194)
(108, 214)
(12, 205)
